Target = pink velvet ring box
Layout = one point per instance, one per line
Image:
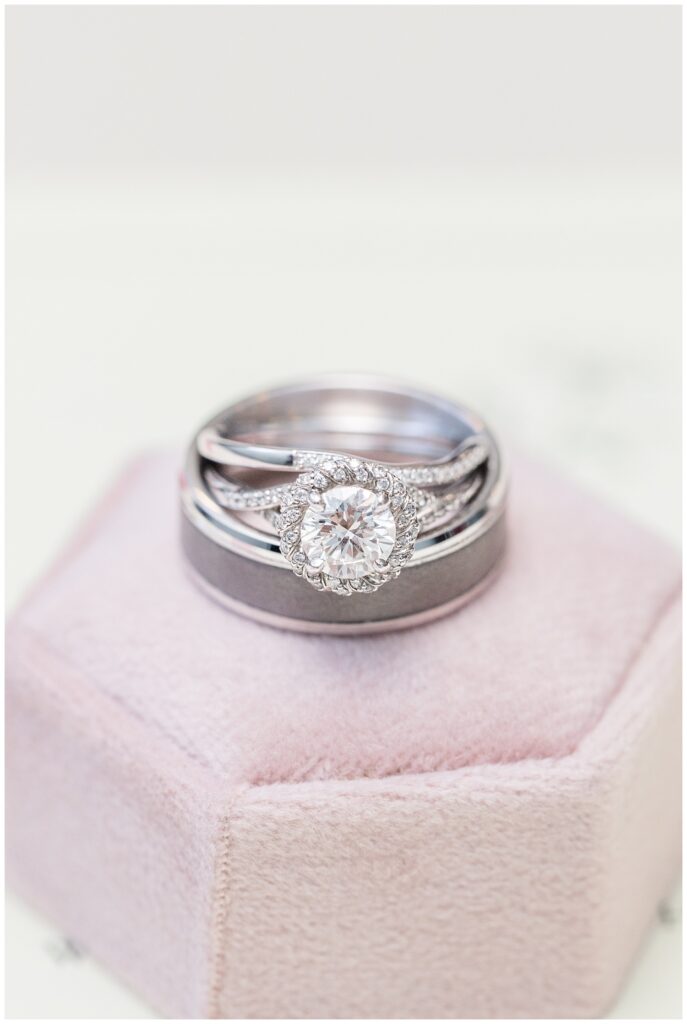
(474, 818)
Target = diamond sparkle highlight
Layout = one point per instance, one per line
(349, 532)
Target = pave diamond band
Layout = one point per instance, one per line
(431, 507)
(383, 481)
(240, 499)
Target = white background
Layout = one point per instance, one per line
(203, 201)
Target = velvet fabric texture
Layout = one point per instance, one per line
(474, 818)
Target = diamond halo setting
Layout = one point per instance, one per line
(348, 531)
(348, 527)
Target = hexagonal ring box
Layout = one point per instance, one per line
(474, 818)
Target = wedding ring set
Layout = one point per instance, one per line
(343, 504)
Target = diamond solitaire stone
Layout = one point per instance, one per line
(349, 532)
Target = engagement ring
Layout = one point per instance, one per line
(383, 481)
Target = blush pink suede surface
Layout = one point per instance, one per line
(472, 818)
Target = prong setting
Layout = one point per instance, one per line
(389, 506)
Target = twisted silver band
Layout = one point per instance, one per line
(430, 507)
(384, 480)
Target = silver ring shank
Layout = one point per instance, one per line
(352, 414)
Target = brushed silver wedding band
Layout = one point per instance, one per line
(255, 471)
